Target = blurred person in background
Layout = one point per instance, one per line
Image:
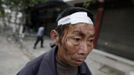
(40, 36)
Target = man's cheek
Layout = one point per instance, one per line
(68, 43)
(70, 47)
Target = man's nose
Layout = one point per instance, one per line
(83, 48)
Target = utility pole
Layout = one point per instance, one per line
(99, 18)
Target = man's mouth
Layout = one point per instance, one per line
(79, 60)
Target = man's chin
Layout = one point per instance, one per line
(76, 64)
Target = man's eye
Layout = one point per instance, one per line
(76, 39)
(91, 40)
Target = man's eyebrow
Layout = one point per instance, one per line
(92, 36)
(79, 33)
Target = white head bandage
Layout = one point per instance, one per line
(75, 18)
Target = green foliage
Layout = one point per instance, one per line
(21, 3)
(18, 4)
(1, 13)
(1, 8)
(87, 3)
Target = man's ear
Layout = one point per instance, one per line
(54, 36)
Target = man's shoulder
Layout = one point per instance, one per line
(38, 59)
(44, 57)
(39, 64)
(32, 67)
(42, 27)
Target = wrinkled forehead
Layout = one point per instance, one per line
(81, 28)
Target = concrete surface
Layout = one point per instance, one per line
(11, 57)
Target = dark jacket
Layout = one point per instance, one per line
(46, 65)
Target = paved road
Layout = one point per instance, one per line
(11, 57)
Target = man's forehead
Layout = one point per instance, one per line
(81, 29)
(81, 26)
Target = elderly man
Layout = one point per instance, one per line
(73, 39)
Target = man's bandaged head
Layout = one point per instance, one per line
(75, 15)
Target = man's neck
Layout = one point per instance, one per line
(65, 69)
